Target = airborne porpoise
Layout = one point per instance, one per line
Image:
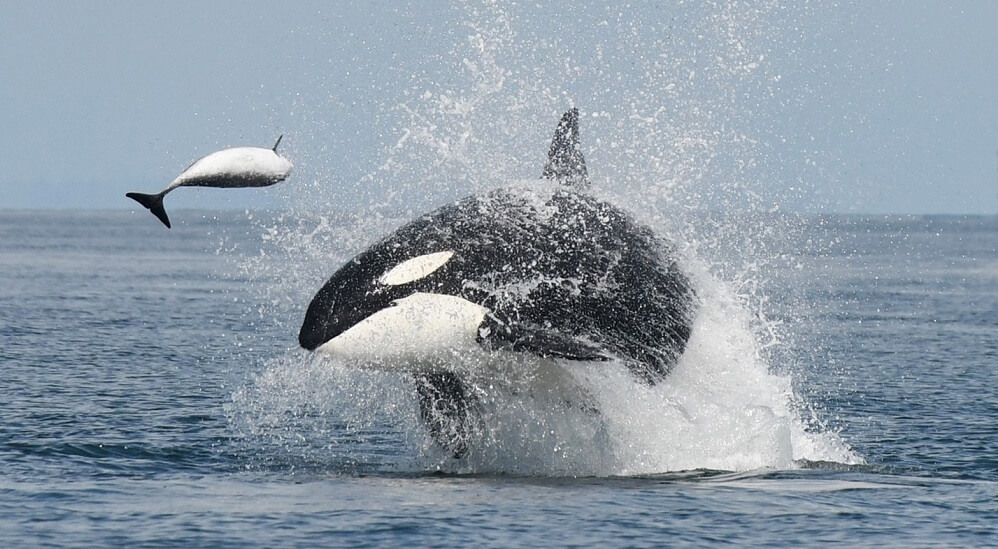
(228, 168)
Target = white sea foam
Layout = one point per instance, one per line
(721, 408)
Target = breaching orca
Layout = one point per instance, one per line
(228, 168)
(543, 270)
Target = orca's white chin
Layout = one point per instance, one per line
(421, 332)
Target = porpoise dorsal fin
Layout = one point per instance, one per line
(565, 161)
(279, 137)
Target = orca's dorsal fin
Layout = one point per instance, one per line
(565, 162)
(279, 137)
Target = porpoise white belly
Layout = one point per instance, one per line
(239, 167)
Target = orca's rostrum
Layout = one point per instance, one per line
(545, 272)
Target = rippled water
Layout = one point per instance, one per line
(153, 393)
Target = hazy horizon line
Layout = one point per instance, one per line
(346, 211)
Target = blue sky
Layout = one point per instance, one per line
(852, 107)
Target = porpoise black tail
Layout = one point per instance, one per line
(154, 203)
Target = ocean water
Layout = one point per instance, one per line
(840, 389)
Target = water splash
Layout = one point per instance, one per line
(720, 409)
(677, 128)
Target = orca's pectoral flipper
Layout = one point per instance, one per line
(154, 203)
(446, 408)
(495, 335)
(565, 161)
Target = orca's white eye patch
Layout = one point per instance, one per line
(415, 268)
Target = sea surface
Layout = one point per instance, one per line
(841, 391)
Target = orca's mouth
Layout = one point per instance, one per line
(320, 324)
(313, 335)
(328, 317)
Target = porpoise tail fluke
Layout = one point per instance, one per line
(154, 203)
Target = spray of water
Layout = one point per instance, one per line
(677, 114)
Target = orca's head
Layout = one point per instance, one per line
(384, 304)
